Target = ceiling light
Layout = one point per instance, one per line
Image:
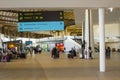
(111, 9)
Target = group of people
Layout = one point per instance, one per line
(7, 55)
(72, 53)
(86, 53)
(55, 53)
(36, 50)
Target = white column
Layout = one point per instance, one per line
(83, 30)
(102, 40)
(87, 30)
(1, 41)
(56, 34)
(87, 27)
(91, 33)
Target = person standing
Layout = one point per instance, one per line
(55, 52)
(90, 53)
(1, 55)
(71, 53)
(83, 49)
(74, 51)
(31, 51)
(108, 52)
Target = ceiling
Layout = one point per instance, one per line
(9, 17)
(110, 16)
(43, 4)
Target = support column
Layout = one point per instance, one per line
(91, 33)
(87, 30)
(28, 33)
(89, 36)
(1, 41)
(102, 40)
(83, 30)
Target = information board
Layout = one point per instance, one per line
(38, 21)
(28, 42)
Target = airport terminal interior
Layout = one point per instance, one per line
(48, 44)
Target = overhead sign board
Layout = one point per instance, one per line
(38, 21)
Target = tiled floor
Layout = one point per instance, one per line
(43, 67)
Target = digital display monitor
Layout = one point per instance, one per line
(39, 21)
(28, 42)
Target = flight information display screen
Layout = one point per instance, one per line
(28, 42)
(38, 21)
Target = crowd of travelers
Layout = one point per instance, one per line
(86, 53)
(89, 52)
(11, 53)
(83, 53)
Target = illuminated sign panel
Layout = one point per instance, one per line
(38, 26)
(28, 42)
(37, 21)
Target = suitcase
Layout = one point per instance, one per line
(56, 55)
(70, 56)
(23, 55)
(8, 59)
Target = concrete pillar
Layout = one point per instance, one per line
(87, 30)
(63, 33)
(55, 34)
(102, 40)
(28, 36)
(91, 33)
(83, 30)
(1, 41)
(66, 31)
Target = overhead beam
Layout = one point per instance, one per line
(58, 3)
(11, 11)
(13, 17)
(5, 20)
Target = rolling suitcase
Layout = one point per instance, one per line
(56, 55)
(70, 56)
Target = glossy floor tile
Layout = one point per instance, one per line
(43, 67)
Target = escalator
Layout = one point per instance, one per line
(79, 41)
(70, 43)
